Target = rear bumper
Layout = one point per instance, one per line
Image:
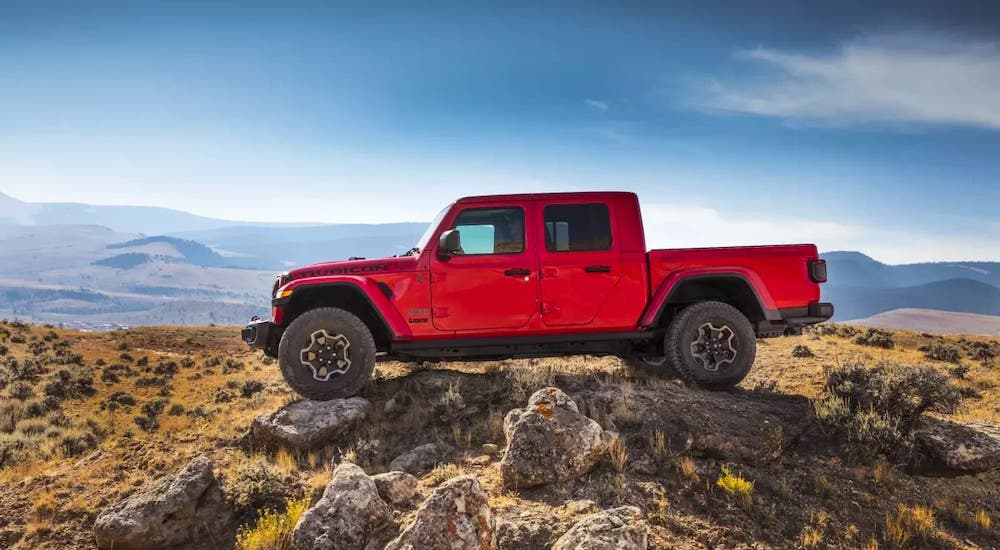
(793, 319)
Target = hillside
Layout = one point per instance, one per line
(962, 295)
(934, 321)
(90, 418)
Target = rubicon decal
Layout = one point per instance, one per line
(344, 270)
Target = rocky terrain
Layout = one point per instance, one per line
(181, 438)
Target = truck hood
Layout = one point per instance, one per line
(356, 267)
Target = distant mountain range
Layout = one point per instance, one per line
(861, 287)
(98, 266)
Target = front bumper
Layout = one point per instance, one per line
(260, 334)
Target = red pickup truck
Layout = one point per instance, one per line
(539, 275)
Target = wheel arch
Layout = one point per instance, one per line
(733, 288)
(346, 296)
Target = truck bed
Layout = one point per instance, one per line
(781, 269)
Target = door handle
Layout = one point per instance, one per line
(517, 272)
(598, 269)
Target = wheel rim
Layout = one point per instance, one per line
(326, 355)
(714, 346)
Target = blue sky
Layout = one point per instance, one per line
(871, 128)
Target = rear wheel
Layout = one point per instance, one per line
(711, 345)
(326, 353)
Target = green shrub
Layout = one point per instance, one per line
(877, 338)
(146, 423)
(120, 398)
(251, 388)
(258, 485)
(223, 395)
(876, 409)
(21, 390)
(941, 352)
(802, 350)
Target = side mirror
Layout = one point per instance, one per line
(449, 244)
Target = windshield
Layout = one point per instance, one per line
(429, 232)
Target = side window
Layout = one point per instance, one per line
(491, 230)
(577, 227)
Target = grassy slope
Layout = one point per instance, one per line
(51, 500)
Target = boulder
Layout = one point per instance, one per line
(183, 509)
(947, 447)
(527, 533)
(397, 488)
(549, 441)
(456, 517)
(615, 529)
(420, 459)
(349, 515)
(307, 425)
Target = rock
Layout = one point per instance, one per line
(549, 441)
(615, 529)
(396, 488)
(947, 447)
(420, 459)
(183, 509)
(643, 465)
(522, 533)
(307, 425)
(491, 449)
(350, 514)
(456, 517)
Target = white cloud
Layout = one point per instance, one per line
(887, 78)
(596, 104)
(679, 226)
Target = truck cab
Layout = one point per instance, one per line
(539, 274)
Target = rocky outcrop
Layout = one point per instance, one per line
(184, 509)
(744, 427)
(615, 529)
(349, 515)
(397, 488)
(522, 533)
(947, 448)
(420, 459)
(549, 441)
(307, 425)
(456, 517)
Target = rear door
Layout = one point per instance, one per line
(492, 283)
(580, 263)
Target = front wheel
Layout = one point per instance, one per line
(326, 353)
(712, 345)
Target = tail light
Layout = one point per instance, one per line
(817, 270)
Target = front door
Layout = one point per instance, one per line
(580, 262)
(492, 283)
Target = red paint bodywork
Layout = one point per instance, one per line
(470, 296)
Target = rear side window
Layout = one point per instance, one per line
(491, 230)
(577, 227)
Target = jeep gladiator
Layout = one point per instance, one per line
(539, 275)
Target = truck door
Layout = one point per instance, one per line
(580, 263)
(492, 283)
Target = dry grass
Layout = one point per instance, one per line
(617, 453)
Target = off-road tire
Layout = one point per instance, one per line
(299, 335)
(682, 332)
